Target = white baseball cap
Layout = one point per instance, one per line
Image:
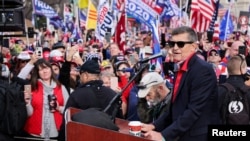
(150, 79)
(24, 55)
(56, 55)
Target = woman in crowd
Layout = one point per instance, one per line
(74, 77)
(123, 79)
(69, 74)
(45, 116)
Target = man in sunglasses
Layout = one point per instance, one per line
(214, 58)
(194, 101)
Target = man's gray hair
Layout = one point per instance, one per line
(185, 29)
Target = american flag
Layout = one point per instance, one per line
(207, 8)
(216, 30)
(214, 17)
(201, 14)
(214, 25)
(222, 10)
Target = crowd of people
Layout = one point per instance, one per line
(175, 100)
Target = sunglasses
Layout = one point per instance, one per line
(145, 86)
(180, 44)
(216, 54)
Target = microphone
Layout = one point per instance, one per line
(127, 70)
(145, 60)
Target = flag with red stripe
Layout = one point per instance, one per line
(82, 18)
(216, 30)
(201, 14)
(207, 8)
(119, 7)
(214, 25)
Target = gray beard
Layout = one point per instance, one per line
(156, 101)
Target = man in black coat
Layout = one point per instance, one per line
(194, 99)
(91, 93)
(237, 70)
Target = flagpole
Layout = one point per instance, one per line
(187, 1)
(27, 37)
(86, 25)
(88, 14)
(77, 20)
(157, 27)
(227, 23)
(228, 14)
(47, 24)
(236, 11)
(248, 31)
(126, 22)
(111, 10)
(190, 18)
(35, 23)
(180, 8)
(111, 5)
(180, 15)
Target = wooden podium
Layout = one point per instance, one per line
(76, 131)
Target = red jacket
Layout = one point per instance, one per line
(34, 122)
(122, 83)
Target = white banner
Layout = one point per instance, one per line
(104, 19)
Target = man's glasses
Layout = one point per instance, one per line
(140, 86)
(180, 44)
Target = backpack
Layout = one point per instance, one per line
(14, 113)
(235, 106)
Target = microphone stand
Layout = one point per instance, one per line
(116, 101)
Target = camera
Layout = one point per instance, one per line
(242, 50)
(52, 98)
(39, 52)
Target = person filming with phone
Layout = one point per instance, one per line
(234, 50)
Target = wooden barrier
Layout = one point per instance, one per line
(84, 132)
